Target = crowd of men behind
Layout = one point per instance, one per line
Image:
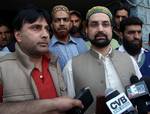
(47, 58)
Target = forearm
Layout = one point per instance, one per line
(57, 105)
(28, 107)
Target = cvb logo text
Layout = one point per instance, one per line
(119, 104)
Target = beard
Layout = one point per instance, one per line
(74, 30)
(100, 43)
(61, 32)
(132, 47)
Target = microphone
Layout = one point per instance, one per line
(86, 97)
(137, 89)
(147, 81)
(134, 79)
(118, 103)
(138, 93)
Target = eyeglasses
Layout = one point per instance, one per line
(95, 24)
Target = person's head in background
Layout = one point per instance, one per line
(31, 30)
(61, 22)
(76, 23)
(5, 33)
(131, 29)
(120, 13)
(99, 26)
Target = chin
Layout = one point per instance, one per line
(43, 51)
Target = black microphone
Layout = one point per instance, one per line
(147, 81)
(118, 103)
(138, 88)
(86, 97)
(134, 79)
(138, 94)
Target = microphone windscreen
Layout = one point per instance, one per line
(134, 79)
(110, 93)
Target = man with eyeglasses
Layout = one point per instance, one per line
(62, 44)
(101, 67)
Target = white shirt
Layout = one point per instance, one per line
(112, 81)
(139, 56)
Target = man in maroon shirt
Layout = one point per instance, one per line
(30, 78)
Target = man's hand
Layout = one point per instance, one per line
(57, 105)
(63, 104)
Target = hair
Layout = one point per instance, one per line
(130, 21)
(121, 7)
(77, 13)
(29, 15)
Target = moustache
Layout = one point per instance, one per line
(62, 28)
(99, 34)
(135, 40)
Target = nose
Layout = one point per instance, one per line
(100, 27)
(61, 22)
(74, 23)
(120, 19)
(137, 35)
(3, 35)
(45, 33)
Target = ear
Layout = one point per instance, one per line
(86, 31)
(18, 36)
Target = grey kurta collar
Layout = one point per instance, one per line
(98, 56)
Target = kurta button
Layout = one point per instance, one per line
(41, 76)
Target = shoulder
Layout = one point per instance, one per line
(53, 41)
(119, 53)
(82, 55)
(8, 61)
(53, 58)
(147, 51)
(119, 56)
(78, 39)
(82, 58)
(8, 57)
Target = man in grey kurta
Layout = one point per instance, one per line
(101, 67)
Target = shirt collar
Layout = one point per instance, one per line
(139, 56)
(100, 56)
(121, 48)
(54, 40)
